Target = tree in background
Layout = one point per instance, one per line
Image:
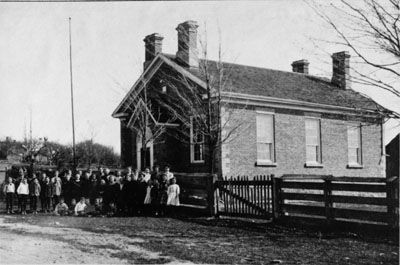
(89, 154)
(370, 29)
(44, 152)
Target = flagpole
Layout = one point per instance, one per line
(72, 99)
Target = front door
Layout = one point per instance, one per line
(145, 158)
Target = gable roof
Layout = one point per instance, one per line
(147, 74)
(285, 85)
(256, 81)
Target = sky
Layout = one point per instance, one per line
(108, 54)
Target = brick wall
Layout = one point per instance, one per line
(169, 150)
(239, 155)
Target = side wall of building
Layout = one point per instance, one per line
(128, 146)
(393, 159)
(239, 155)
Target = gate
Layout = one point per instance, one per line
(244, 197)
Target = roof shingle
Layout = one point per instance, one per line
(285, 85)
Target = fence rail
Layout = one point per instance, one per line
(370, 200)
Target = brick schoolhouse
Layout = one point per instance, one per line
(294, 122)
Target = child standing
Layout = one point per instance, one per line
(141, 193)
(34, 191)
(48, 193)
(127, 194)
(173, 195)
(147, 199)
(9, 190)
(23, 192)
(42, 182)
(57, 187)
(154, 197)
(162, 194)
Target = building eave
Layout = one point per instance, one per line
(149, 73)
(255, 100)
(120, 115)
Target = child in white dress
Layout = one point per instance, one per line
(173, 193)
(147, 199)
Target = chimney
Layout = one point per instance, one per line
(300, 66)
(187, 44)
(153, 46)
(341, 69)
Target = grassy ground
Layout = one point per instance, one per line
(202, 240)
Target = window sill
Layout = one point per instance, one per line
(313, 165)
(265, 164)
(197, 162)
(355, 166)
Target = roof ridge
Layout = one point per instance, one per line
(259, 67)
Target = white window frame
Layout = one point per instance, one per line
(271, 142)
(359, 153)
(192, 146)
(318, 161)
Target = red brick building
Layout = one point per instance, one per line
(291, 122)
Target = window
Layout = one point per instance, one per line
(354, 145)
(313, 142)
(196, 143)
(265, 138)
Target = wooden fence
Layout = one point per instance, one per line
(354, 199)
(244, 197)
(369, 200)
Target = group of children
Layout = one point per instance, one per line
(89, 194)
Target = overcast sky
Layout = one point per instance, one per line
(108, 54)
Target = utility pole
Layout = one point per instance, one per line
(72, 100)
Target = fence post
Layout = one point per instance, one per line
(392, 196)
(210, 195)
(276, 197)
(328, 200)
(216, 197)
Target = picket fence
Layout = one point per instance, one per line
(244, 197)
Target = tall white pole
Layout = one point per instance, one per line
(72, 98)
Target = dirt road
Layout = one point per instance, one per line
(24, 243)
(147, 240)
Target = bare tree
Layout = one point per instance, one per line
(370, 29)
(206, 118)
